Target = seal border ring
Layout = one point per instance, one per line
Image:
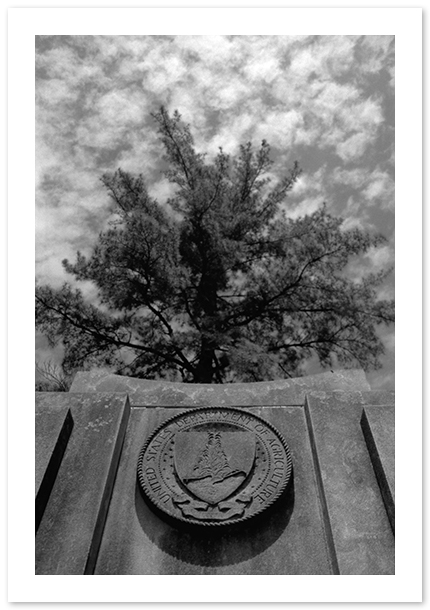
(211, 524)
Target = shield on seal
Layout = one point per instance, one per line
(212, 463)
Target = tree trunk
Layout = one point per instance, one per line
(204, 371)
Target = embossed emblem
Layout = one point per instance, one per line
(214, 466)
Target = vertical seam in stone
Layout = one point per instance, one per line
(331, 549)
(107, 493)
(48, 481)
(378, 469)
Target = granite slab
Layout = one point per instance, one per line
(69, 534)
(352, 502)
(290, 539)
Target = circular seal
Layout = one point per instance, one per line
(214, 466)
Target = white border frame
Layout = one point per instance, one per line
(24, 24)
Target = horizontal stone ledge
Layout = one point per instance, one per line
(291, 392)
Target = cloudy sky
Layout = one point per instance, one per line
(326, 101)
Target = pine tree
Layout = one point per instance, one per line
(217, 283)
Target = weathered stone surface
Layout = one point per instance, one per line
(379, 397)
(288, 539)
(167, 394)
(354, 509)
(54, 424)
(378, 429)
(69, 534)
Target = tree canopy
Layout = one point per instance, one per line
(217, 283)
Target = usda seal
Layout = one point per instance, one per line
(214, 466)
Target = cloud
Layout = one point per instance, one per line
(352, 177)
(326, 55)
(354, 147)
(354, 214)
(380, 189)
(309, 183)
(305, 207)
(380, 258)
(122, 106)
(364, 115)
(263, 68)
(377, 53)
(279, 129)
(212, 50)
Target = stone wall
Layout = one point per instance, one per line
(335, 517)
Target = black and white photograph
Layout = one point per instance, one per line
(215, 304)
